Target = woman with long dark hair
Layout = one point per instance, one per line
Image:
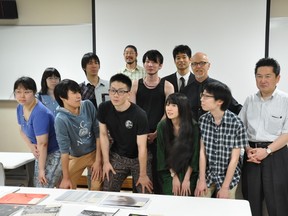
(178, 148)
(50, 78)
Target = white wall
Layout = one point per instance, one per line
(39, 47)
(33, 13)
(279, 46)
(43, 12)
(229, 32)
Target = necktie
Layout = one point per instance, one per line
(182, 84)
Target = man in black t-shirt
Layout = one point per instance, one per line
(128, 127)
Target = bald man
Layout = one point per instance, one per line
(200, 66)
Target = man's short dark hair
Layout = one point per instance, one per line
(220, 91)
(62, 88)
(123, 79)
(153, 55)
(268, 62)
(87, 57)
(182, 49)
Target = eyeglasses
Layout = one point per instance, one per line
(26, 92)
(120, 92)
(205, 96)
(53, 78)
(201, 64)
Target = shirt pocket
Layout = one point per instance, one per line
(226, 147)
(273, 124)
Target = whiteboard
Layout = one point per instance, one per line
(29, 50)
(278, 48)
(232, 33)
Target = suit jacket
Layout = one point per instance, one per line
(193, 90)
(172, 78)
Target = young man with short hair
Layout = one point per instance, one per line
(150, 94)
(223, 135)
(94, 88)
(183, 76)
(77, 133)
(128, 127)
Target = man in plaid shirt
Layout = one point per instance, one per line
(223, 135)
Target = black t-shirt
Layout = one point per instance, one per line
(124, 127)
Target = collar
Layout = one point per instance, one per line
(136, 69)
(275, 92)
(186, 76)
(101, 82)
(225, 118)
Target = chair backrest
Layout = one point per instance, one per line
(2, 175)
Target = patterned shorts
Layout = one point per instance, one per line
(53, 170)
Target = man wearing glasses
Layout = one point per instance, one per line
(128, 127)
(223, 135)
(200, 66)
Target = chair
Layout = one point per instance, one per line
(2, 175)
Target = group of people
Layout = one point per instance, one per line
(183, 134)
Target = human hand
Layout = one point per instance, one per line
(260, 154)
(223, 193)
(151, 137)
(251, 155)
(96, 171)
(146, 183)
(42, 178)
(176, 185)
(201, 188)
(107, 167)
(185, 188)
(66, 184)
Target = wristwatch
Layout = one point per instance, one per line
(172, 174)
(268, 150)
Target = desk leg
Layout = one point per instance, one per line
(30, 173)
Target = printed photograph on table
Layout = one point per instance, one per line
(97, 213)
(7, 210)
(127, 201)
(41, 210)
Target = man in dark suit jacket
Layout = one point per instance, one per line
(200, 66)
(182, 58)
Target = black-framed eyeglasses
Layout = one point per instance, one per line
(120, 92)
(201, 64)
(205, 96)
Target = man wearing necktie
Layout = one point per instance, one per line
(182, 59)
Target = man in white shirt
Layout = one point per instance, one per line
(265, 169)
